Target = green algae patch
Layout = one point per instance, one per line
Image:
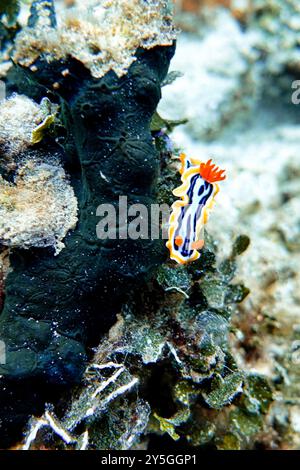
(224, 390)
(168, 425)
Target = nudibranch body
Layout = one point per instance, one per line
(190, 213)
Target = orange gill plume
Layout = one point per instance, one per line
(211, 173)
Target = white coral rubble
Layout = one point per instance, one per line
(102, 34)
(21, 119)
(39, 208)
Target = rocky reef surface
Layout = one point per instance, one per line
(129, 350)
(258, 143)
(164, 375)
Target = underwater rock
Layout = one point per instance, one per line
(39, 208)
(55, 307)
(98, 33)
(14, 138)
(164, 369)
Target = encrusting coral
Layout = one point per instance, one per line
(39, 208)
(16, 138)
(99, 34)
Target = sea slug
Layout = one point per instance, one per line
(190, 213)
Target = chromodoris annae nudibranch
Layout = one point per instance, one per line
(189, 214)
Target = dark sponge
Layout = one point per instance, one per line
(58, 306)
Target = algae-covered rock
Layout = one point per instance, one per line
(168, 360)
(39, 208)
(98, 33)
(35, 119)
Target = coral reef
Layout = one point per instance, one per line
(35, 118)
(99, 33)
(129, 350)
(256, 53)
(55, 307)
(165, 369)
(259, 146)
(39, 208)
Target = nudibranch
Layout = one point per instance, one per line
(190, 213)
